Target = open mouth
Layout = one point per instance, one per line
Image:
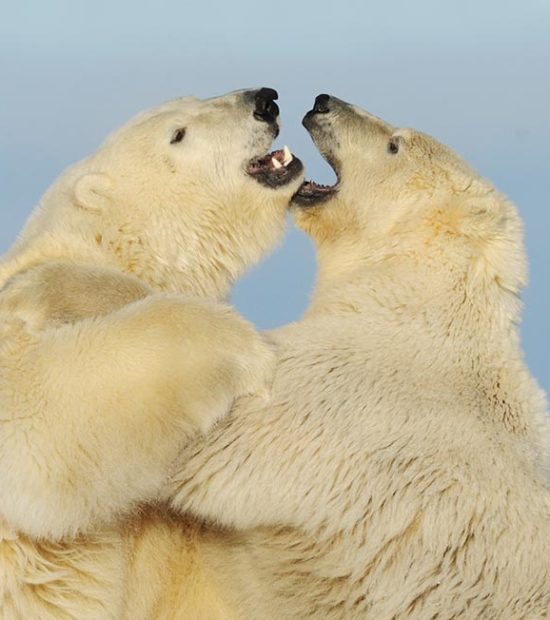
(318, 123)
(275, 169)
(311, 193)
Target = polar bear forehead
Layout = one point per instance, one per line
(185, 108)
(435, 152)
(174, 105)
(188, 104)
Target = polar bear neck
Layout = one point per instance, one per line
(180, 270)
(60, 231)
(407, 293)
(126, 256)
(450, 330)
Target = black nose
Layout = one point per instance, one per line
(321, 105)
(265, 107)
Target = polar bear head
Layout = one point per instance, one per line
(401, 196)
(184, 196)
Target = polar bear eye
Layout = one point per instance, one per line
(393, 146)
(178, 135)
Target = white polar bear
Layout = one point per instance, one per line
(115, 344)
(400, 469)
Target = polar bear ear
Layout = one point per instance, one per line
(92, 192)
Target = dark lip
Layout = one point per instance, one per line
(275, 178)
(312, 194)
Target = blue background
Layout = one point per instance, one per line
(474, 74)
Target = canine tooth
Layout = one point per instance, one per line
(287, 156)
(276, 163)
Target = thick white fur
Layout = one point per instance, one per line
(116, 346)
(400, 470)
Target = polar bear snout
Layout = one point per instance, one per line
(319, 122)
(323, 105)
(278, 168)
(323, 122)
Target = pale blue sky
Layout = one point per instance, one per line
(476, 74)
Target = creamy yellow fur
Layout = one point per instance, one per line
(400, 470)
(400, 467)
(116, 346)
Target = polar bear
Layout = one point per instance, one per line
(400, 470)
(116, 344)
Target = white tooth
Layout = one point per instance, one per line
(276, 163)
(287, 155)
